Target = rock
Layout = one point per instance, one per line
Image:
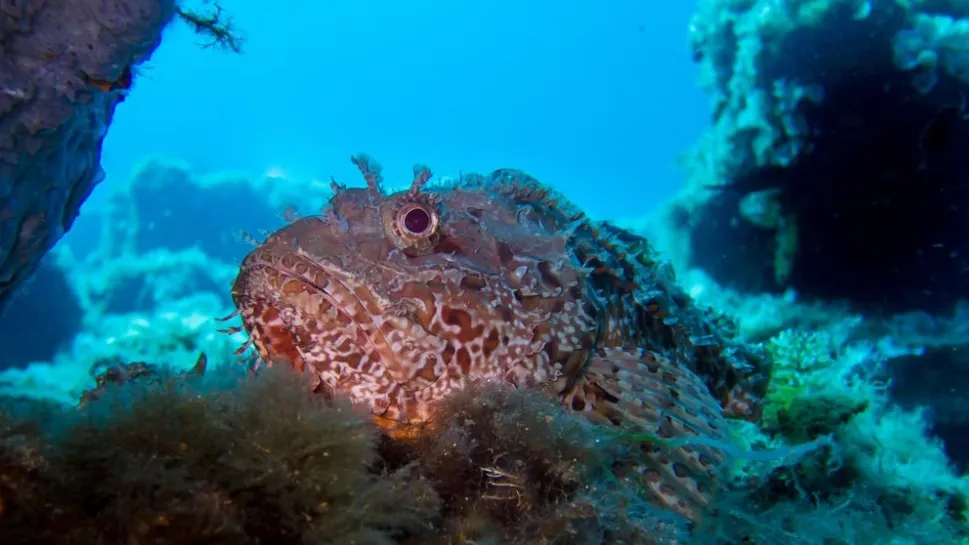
(836, 161)
(64, 68)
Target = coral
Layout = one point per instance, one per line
(162, 193)
(933, 42)
(801, 402)
(847, 118)
(175, 331)
(924, 356)
(883, 475)
(136, 281)
(147, 212)
(136, 252)
(131, 283)
(145, 253)
(65, 67)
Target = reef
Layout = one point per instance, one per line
(134, 263)
(844, 451)
(833, 171)
(220, 455)
(834, 166)
(132, 419)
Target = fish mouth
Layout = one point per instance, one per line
(301, 279)
(279, 295)
(326, 321)
(328, 291)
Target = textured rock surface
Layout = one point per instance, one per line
(64, 67)
(838, 141)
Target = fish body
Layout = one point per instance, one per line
(397, 301)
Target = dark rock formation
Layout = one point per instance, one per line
(839, 151)
(42, 318)
(64, 67)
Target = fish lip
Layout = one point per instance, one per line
(291, 275)
(334, 277)
(255, 284)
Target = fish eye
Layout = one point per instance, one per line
(413, 226)
(416, 221)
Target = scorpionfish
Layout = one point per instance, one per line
(399, 300)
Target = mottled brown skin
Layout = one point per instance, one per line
(397, 301)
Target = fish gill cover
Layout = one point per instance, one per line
(470, 357)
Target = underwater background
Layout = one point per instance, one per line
(797, 170)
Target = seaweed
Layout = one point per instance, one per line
(244, 457)
(513, 467)
(231, 459)
(214, 24)
(879, 478)
(228, 456)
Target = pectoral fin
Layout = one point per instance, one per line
(670, 414)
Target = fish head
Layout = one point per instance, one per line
(398, 299)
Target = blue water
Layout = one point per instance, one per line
(597, 101)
